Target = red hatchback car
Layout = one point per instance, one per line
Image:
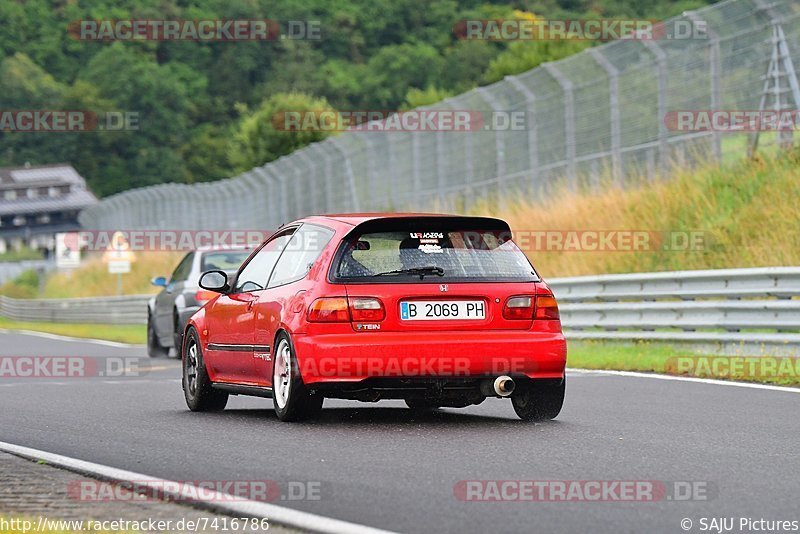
(438, 310)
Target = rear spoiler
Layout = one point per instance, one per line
(425, 223)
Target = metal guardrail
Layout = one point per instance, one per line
(731, 309)
(781, 282)
(727, 307)
(130, 309)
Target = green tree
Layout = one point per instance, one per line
(261, 136)
(205, 155)
(396, 68)
(465, 64)
(521, 56)
(26, 85)
(372, 54)
(424, 97)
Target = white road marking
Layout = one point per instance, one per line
(579, 371)
(59, 337)
(685, 379)
(131, 381)
(218, 501)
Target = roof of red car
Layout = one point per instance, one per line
(358, 218)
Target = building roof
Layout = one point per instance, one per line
(30, 175)
(77, 198)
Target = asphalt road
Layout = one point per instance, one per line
(379, 465)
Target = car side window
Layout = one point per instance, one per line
(300, 254)
(254, 275)
(184, 268)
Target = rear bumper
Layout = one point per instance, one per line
(349, 358)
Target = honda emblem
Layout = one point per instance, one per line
(443, 287)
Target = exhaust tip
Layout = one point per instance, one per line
(504, 385)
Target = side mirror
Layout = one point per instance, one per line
(159, 281)
(215, 280)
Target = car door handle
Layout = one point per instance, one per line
(250, 305)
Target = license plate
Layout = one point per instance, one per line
(441, 310)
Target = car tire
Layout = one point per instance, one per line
(536, 400)
(154, 348)
(177, 335)
(197, 389)
(290, 397)
(421, 405)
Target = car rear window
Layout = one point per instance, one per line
(224, 261)
(465, 255)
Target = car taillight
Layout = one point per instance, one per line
(369, 310)
(519, 308)
(546, 307)
(329, 310)
(203, 296)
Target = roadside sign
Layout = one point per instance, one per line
(118, 256)
(119, 250)
(68, 250)
(119, 267)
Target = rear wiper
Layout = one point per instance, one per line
(421, 271)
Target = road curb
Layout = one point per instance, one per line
(659, 376)
(219, 502)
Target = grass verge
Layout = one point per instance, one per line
(743, 215)
(663, 358)
(136, 334)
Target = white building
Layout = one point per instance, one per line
(36, 202)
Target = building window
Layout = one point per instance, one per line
(10, 194)
(19, 220)
(33, 193)
(54, 192)
(43, 219)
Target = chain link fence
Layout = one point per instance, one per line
(592, 118)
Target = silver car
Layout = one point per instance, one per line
(181, 297)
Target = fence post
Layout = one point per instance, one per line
(441, 163)
(312, 189)
(661, 69)
(328, 178)
(780, 65)
(715, 72)
(267, 181)
(351, 179)
(416, 178)
(284, 189)
(613, 99)
(372, 170)
(569, 121)
(440, 167)
(499, 139)
(240, 194)
(391, 172)
(533, 141)
(298, 199)
(469, 163)
(248, 184)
